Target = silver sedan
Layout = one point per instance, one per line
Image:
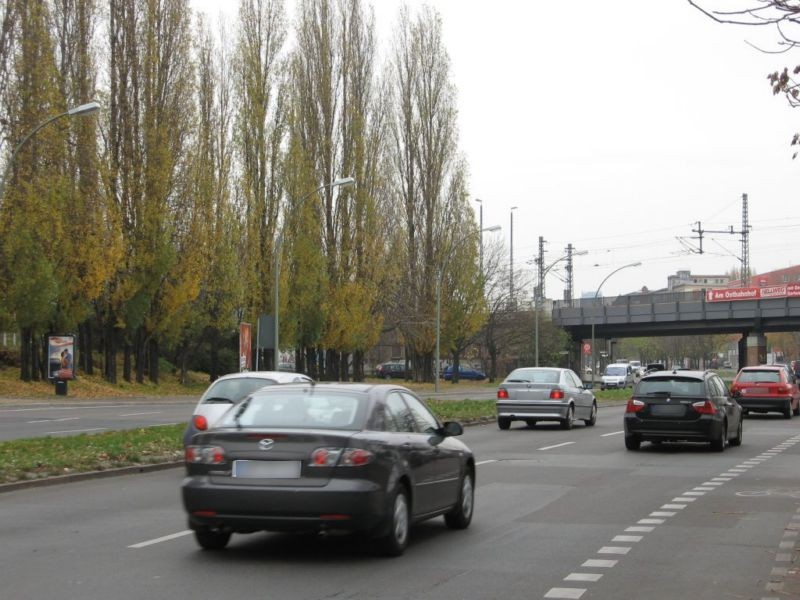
(534, 394)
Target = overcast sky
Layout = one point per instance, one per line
(616, 126)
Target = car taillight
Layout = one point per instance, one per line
(206, 455)
(704, 408)
(735, 390)
(200, 423)
(343, 457)
(783, 389)
(502, 394)
(634, 406)
(556, 394)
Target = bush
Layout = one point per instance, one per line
(9, 357)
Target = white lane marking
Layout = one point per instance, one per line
(75, 430)
(683, 499)
(54, 420)
(556, 446)
(614, 550)
(729, 474)
(786, 545)
(737, 470)
(50, 407)
(565, 593)
(694, 493)
(673, 507)
(783, 557)
(165, 538)
(662, 513)
(650, 522)
(779, 571)
(583, 577)
(713, 483)
(612, 433)
(721, 479)
(154, 412)
(485, 462)
(634, 529)
(627, 538)
(790, 533)
(703, 489)
(598, 563)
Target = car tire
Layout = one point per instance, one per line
(796, 411)
(531, 422)
(593, 419)
(210, 539)
(503, 423)
(737, 441)
(570, 420)
(398, 522)
(718, 443)
(461, 515)
(633, 442)
(787, 411)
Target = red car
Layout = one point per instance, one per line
(766, 388)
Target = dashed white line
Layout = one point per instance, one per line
(75, 430)
(612, 433)
(637, 529)
(673, 507)
(165, 538)
(154, 412)
(627, 538)
(565, 593)
(485, 462)
(598, 563)
(556, 446)
(614, 550)
(650, 522)
(54, 420)
(662, 513)
(682, 499)
(583, 577)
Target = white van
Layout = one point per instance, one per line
(617, 375)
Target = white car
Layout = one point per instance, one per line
(228, 390)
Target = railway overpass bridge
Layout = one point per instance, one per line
(699, 312)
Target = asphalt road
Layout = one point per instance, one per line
(71, 417)
(559, 514)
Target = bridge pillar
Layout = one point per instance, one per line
(756, 349)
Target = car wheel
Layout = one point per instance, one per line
(593, 419)
(787, 411)
(461, 515)
(570, 420)
(503, 423)
(796, 411)
(737, 441)
(531, 422)
(718, 443)
(396, 539)
(633, 442)
(209, 539)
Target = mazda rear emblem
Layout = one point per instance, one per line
(266, 444)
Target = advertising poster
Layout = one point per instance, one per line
(245, 347)
(61, 353)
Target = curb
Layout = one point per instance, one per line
(46, 481)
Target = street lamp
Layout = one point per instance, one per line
(77, 111)
(538, 294)
(636, 264)
(511, 256)
(439, 306)
(340, 182)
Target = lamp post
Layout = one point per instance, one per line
(341, 182)
(439, 307)
(636, 264)
(511, 257)
(537, 297)
(83, 109)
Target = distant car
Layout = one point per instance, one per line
(328, 457)
(682, 406)
(534, 394)
(227, 391)
(464, 373)
(391, 370)
(766, 389)
(654, 367)
(617, 375)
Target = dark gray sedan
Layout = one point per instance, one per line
(534, 394)
(322, 457)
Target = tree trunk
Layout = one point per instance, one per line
(456, 363)
(344, 367)
(25, 354)
(85, 347)
(213, 370)
(358, 365)
(331, 365)
(492, 349)
(299, 361)
(127, 367)
(311, 363)
(153, 360)
(110, 350)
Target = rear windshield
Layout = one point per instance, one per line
(304, 409)
(235, 389)
(754, 376)
(616, 371)
(672, 386)
(534, 376)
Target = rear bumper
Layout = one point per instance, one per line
(706, 428)
(352, 505)
(533, 410)
(757, 404)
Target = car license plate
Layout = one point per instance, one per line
(266, 469)
(667, 410)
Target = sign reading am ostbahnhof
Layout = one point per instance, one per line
(789, 290)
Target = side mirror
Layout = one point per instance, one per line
(452, 428)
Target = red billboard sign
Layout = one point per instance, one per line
(245, 347)
(789, 290)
